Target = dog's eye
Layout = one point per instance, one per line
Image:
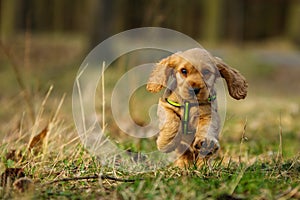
(184, 71)
(205, 72)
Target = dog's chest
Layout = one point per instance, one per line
(193, 118)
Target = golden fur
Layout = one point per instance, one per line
(190, 76)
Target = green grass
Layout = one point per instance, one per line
(260, 179)
(255, 177)
(259, 166)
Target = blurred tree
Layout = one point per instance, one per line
(154, 16)
(8, 18)
(102, 25)
(41, 15)
(209, 20)
(275, 19)
(293, 27)
(233, 21)
(58, 15)
(213, 20)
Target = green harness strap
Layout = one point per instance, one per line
(186, 117)
(186, 112)
(173, 103)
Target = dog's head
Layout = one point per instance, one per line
(195, 71)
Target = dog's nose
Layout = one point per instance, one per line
(196, 90)
(193, 91)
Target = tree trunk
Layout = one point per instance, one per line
(58, 15)
(102, 25)
(293, 28)
(213, 11)
(8, 18)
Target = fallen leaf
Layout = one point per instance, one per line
(38, 140)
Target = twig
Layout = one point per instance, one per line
(279, 153)
(54, 118)
(243, 138)
(91, 177)
(20, 81)
(80, 98)
(103, 97)
(291, 192)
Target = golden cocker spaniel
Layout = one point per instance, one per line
(188, 120)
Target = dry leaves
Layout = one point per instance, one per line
(38, 140)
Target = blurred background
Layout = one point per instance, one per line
(234, 21)
(43, 43)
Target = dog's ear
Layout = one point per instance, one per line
(160, 74)
(236, 83)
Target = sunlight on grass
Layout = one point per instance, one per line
(249, 166)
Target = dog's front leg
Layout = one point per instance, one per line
(169, 123)
(206, 143)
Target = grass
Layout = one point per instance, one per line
(259, 179)
(254, 162)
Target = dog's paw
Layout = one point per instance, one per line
(206, 147)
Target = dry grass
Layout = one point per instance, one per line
(260, 150)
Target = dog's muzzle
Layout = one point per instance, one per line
(194, 91)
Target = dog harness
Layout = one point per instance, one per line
(186, 112)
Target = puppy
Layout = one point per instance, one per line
(188, 117)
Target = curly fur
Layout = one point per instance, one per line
(193, 74)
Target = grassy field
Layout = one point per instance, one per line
(259, 158)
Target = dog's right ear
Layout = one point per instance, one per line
(160, 74)
(236, 82)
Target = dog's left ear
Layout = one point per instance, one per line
(160, 74)
(236, 83)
